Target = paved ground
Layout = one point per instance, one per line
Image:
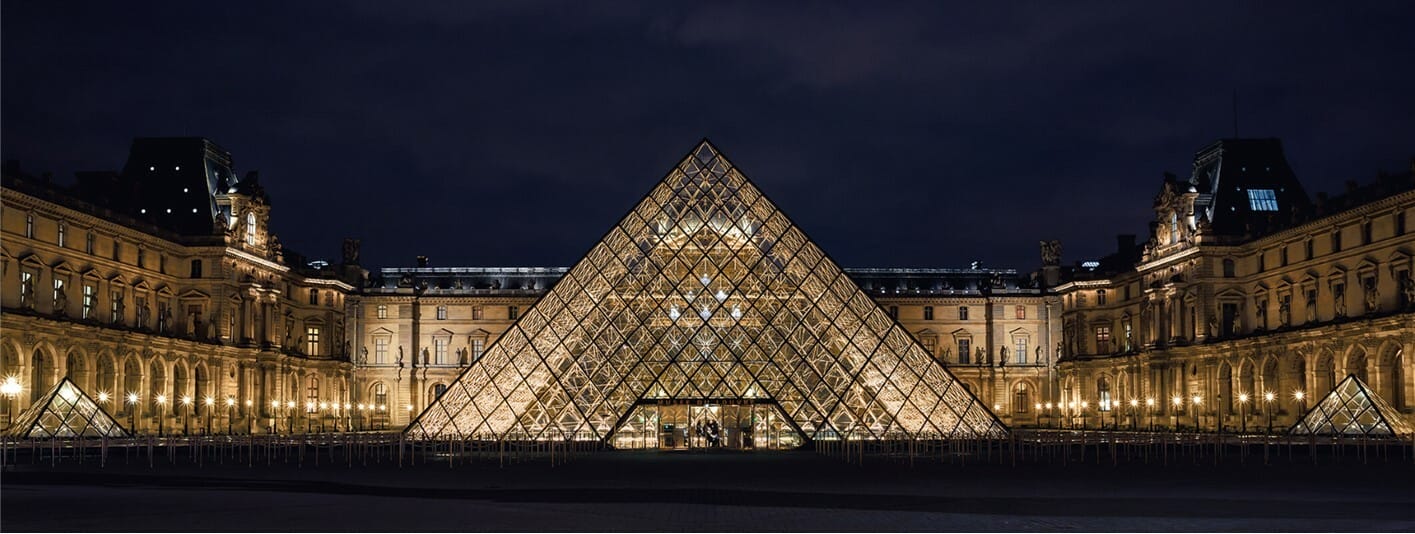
(790, 491)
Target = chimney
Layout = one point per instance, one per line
(422, 261)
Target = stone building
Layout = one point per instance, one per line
(1249, 300)
(161, 291)
(164, 281)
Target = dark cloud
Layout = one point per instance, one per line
(514, 133)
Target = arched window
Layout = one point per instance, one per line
(312, 394)
(250, 228)
(380, 394)
(438, 390)
(1021, 398)
(1103, 393)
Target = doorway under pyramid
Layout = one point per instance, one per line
(705, 318)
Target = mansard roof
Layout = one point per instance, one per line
(1232, 176)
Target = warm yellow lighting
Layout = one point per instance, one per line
(208, 401)
(309, 406)
(324, 406)
(249, 403)
(103, 396)
(11, 386)
(1298, 395)
(132, 398)
(1039, 405)
(186, 400)
(161, 399)
(1149, 402)
(230, 401)
(1178, 401)
(1085, 404)
(289, 404)
(274, 404)
(346, 406)
(410, 407)
(1242, 397)
(1268, 396)
(995, 407)
(1134, 402)
(361, 406)
(1048, 405)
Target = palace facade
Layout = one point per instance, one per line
(162, 292)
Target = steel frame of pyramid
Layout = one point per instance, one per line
(65, 412)
(1352, 409)
(705, 290)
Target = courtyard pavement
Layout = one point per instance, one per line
(716, 492)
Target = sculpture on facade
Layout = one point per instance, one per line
(363, 355)
(1338, 295)
(425, 357)
(1260, 305)
(1311, 305)
(1051, 252)
(351, 251)
(1213, 323)
(1407, 289)
(1373, 297)
(61, 301)
(1284, 313)
(981, 357)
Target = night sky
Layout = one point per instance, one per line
(516, 133)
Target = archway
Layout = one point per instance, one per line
(107, 376)
(41, 374)
(1356, 364)
(1326, 375)
(76, 369)
(1225, 387)
(1271, 383)
(1391, 368)
(132, 384)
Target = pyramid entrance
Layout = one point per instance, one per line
(705, 317)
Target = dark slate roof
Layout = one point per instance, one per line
(171, 182)
(1225, 172)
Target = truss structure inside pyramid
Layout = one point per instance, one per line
(707, 309)
(1352, 409)
(65, 412)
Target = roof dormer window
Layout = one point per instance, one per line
(1262, 200)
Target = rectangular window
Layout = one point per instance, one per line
(314, 297)
(116, 308)
(1366, 233)
(930, 344)
(442, 313)
(162, 263)
(1262, 200)
(1021, 349)
(965, 350)
(476, 313)
(63, 231)
(1400, 223)
(29, 226)
(117, 250)
(90, 295)
(1102, 340)
(928, 313)
(1283, 255)
(141, 254)
(380, 350)
(962, 313)
(382, 311)
(1100, 297)
(1307, 246)
(1128, 334)
(196, 269)
(88, 243)
(894, 312)
(513, 312)
(477, 346)
(312, 340)
(439, 350)
(1336, 240)
(1021, 312)
(1262, 261)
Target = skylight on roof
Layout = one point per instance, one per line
(1262, 200)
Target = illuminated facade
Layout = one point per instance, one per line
(705, 314)
(1228, 300)
(1248, 302)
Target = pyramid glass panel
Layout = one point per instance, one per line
(65, 412)
(705, 317)
(1352, 409)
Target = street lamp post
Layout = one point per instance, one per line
(1178, 403)
(133, 411)
(1243, 410)
(230, 413)
(1134, 405)
(209, 402)
(1268, 406)
(324, 415)
(290, 410)
(1084, 405)
(11, 389)
(250, 418)
(309, 415)
(274, 413)
(1197, 400)
(1301, 404)
(186, 410)
(161, 412)
(348, 417)
(1150, 413)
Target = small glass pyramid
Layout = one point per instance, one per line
(1352, 409)
(65, 412)
(705, 294)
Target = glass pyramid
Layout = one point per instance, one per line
(65, 412)
(1352, 409)
(705, 292)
